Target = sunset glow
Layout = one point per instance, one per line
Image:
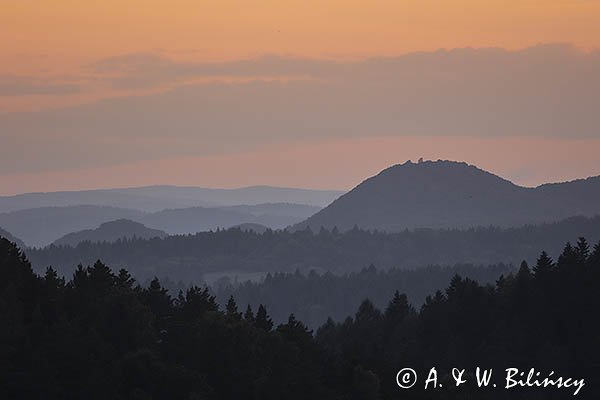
(109, 55)
(65, 34)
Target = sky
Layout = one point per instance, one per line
(306, 94)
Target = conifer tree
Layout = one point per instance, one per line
(262, 319)
(124, 279)
(232, 309)
(567, 259)
(524, 273)
(157, 299)
(249, 314)
(398, 308)
(543, 266)
(582, 251)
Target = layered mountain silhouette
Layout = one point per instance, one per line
(42, 226)
(160, 197)
(110, 232)
(430, 194)
(448, 194)
(196, 219)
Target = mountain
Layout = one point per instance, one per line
(276, 209)
(110, 232)
(44, 225)
(156, 198)
(41, 226)
(581, 195)
(195, 219)
(448, 194)
(198, 219)
(11, 238)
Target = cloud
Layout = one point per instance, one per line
(146, 70)
(11, 85)
(543, 91)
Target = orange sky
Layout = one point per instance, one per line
(56, 36)
(104, 65)
(332, 164)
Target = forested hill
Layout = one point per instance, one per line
(109, 232)
(188, 257)
(100, 335)
(448, 194)
(39, 227)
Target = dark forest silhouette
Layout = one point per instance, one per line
(100, 335)
(315, 297)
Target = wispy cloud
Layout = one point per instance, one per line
(145, 70)
(543, 91)
(12, 85)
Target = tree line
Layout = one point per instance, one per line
(189, 257)
(314, 297)
(101, 335)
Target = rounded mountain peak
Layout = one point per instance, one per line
(432, 194)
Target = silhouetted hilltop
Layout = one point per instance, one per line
(41, 226)
(110, 232)
(7, 235)
(581, 195)
(448, 194)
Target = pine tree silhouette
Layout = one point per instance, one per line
(262, 319)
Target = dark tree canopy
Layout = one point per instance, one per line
(100, 335)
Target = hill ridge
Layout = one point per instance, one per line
(446, 194)
(110, 231)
